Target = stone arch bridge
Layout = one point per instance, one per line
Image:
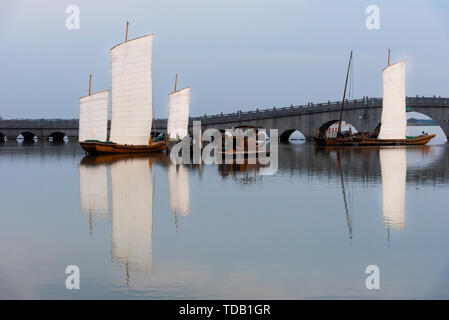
(363, 114)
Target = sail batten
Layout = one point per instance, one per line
(132, 101)
(394, 122)
(93, 118)
(178, 114)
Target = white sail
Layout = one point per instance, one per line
(393, 164)
(178, 189)
(93, 118)
(178, 114)
(132, 212)
(94, 190)
(394, 121)
(132, 102)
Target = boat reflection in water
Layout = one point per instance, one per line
(393, 164)
(132, 212)
(93, 181)
(132, 203)
(178, 190)
(244, 172)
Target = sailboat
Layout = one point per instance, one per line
(393, 122)
(132, 100)
(93, 119)
(321, 137)
(178, 114)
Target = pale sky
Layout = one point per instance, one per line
(234, 54)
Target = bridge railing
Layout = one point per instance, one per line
(39, 123)
(329, 106)
(315, 108)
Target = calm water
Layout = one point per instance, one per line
(142, 228)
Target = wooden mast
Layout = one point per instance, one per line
(90, 82)
(126, 35)
(344, 96)
(176, 82)
(388, 56)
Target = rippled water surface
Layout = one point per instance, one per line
(143, 228)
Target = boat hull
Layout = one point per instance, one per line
(112, 148)
(89, 147)
(364, 141)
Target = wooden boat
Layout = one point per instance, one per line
(367, 141)
(89, 147)
(420, 140)
(132, 105)
(240, 145)
(393, 123)
(157, 146)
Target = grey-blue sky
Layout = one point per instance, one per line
(234, 54)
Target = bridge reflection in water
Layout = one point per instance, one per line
(132, 188)
(307, 231)
(367, 165)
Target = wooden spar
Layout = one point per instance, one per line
(126, 35)
(344, 96)
(388, 56)
(176, 82)
(90, 82)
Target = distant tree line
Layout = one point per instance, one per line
(421, 122)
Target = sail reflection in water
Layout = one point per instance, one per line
(393, 164)
(178, 189)
(94, 190)
(132, 212)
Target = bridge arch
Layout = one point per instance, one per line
(57, 136)
(419, 122)
(2, 137)
(298, 135)
(27, 135)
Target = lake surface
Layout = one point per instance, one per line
(144, 228)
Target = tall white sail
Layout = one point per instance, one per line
(178, 114)
(394, 121)
(178, 189)
(393, 164)
(94, 190)
(132, 212)
(93, 119)
(132, 102)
